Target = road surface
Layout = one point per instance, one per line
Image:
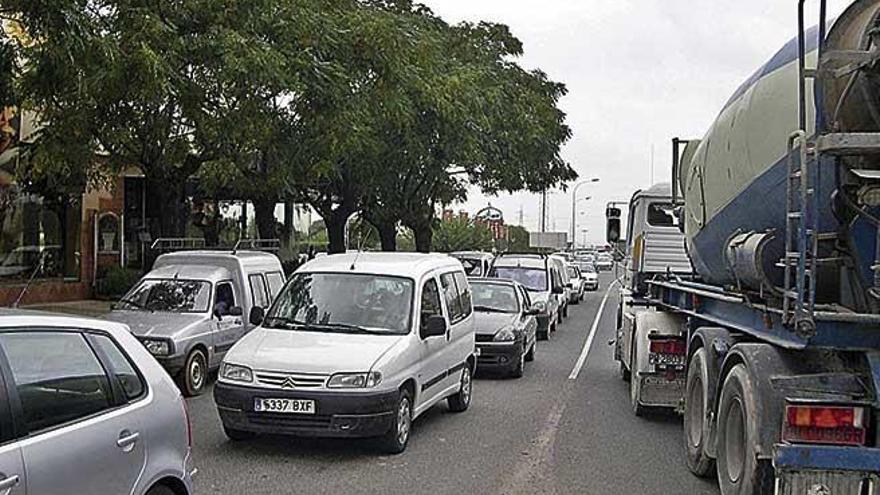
(547, 432)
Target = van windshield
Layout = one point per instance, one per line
(344, 302)
(172, 295)
(533, 279)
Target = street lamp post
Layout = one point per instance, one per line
(573, 203)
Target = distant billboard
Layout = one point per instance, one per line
(548, 240)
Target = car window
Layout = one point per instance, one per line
(464, 293)
(527, 301)
(224, 297)
(450, 293)
(259, 291)
(58, 377)
(430, 301)
(132, 384)
(276, 283)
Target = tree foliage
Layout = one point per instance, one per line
(459, 234)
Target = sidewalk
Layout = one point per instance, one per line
(88, 307)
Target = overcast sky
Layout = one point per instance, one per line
(639, 72)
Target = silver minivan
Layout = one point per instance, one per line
(85, 409)
(356, 345)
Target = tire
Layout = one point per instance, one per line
(461, 401)
(397, 438)
(530, 356)
(543, 335)
(560, 315)
(193, 378)
(634, 391)
(238, 435)
(564, 312)
(696, 416)
(519, 368)
(739, 470)
(160, 490)
(624, 373)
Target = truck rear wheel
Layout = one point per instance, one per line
(740, 472)
(696, 417)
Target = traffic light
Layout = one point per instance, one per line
(612, 229)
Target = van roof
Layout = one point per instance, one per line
(191, 272)
(246, 259)
(411, 265)
(521, 261)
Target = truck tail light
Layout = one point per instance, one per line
(832, 425)
(668, 346)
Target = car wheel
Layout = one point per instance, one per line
(564, 312)
(740, 472)
(519, 368)
(397, 437)
(545, 335)
(238, 435)
(194, 375)
(624, 373)
(462, 400)
(696, 417)
(530, 356)
(160, 490)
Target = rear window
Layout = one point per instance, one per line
(661, 215)
(453, 299)
(259, 291)
(276, 283)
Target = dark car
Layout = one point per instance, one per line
(505, 325)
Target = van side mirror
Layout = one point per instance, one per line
(433, 326)
(257, 315)
(558, 289)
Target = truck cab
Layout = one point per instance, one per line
(193, 306)
(649, 344)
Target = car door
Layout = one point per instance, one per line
(12, 472)
(433, 368)
(460, 327)
(529, 323)
(229, 327)
(79, 438)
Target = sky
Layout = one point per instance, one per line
(638, 72)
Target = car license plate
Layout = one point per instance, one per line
(286, 406)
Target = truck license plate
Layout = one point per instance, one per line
(285, 406)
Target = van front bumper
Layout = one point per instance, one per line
(337, 414)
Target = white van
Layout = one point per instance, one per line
(356, 345)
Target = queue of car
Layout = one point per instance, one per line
(353, 345)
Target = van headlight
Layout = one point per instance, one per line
(236, 373)
(157, 347)
(505, 335)
(355, 380)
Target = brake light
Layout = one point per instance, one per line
(668, 346)
(834, 425)
(189, 432)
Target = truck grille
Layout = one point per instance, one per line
(826, 483)
(275, 379)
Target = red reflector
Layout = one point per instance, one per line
(671, 346)
(838, 425)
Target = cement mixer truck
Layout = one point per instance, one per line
(774, 338)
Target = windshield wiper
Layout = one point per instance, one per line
(490, 309)
(284, 322)
(345, 327)
(135, 304)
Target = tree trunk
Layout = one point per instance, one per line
(170, 201)
(387, 236)
(336, 232)
(424, 236)
(264, 212)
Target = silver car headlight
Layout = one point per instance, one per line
(505, 335)
(540, 306)
(355, 380)
(157, 347)
(236, 373)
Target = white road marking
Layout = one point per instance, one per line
(589, 343)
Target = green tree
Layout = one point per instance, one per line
(459, 234)
(518, 239)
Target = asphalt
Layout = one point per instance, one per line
(543, 433)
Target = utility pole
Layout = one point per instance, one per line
(520, 215)
(574, 208)
(544, 211)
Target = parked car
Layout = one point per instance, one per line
(84, 408)
(355, 346)
(577, 283)
(560, 264)
(188, 311)
(604, 262)
(505, 325)
(541, 279)
(476, 263)
(590, 277)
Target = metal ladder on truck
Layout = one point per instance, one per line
(807, 157)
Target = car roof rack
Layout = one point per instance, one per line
(270, 245)
(169, 244)
(178, 244)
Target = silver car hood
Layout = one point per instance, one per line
(310, 352)
(491, 323)
(157, 324)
